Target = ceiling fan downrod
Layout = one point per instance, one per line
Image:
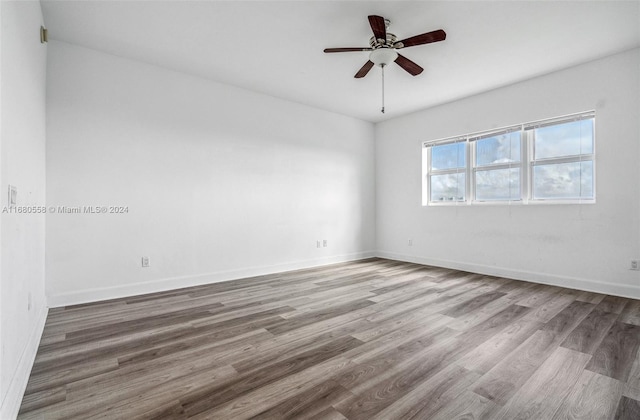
(382, 66)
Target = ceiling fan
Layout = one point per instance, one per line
(384, 45)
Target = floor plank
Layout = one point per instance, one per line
(212, 396)
(487, 355)
(310, 403)
(545, 390)
(628, 409)
(467, 406)
(617, 352)
(613, 304)
(631, 312)
(472, 304)
(593, 396)
(587, 336)
(501, 382)
(431, 395)
(383, 391)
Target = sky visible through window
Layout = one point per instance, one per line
(563, 180)
(500, 183)
(448, 156)
(448, 187)
(569, 139)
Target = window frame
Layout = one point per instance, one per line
(473, 142)
(526, 164)
(529, 130)
(450, 171)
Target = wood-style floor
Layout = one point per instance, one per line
(373, 339)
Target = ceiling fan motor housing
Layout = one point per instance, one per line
(388, 43)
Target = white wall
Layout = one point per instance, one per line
(220, 182)
(22, 150)
(581, 246)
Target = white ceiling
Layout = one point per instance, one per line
(276, 47)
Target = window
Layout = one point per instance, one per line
(550, 161)
(497, 166)
(448, 173)
(562, 161)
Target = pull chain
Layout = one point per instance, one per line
(382, 110)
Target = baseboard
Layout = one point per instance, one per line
(17, 386)
(616, 289)
(133, 289)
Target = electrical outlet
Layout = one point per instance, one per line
(324, 243)
(145, 261)
(318, 244)
(635, 265)
(410, 242)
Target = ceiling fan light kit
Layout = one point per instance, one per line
(383, 46)
(383, 56)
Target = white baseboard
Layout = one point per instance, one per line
(18, 384)
(617, 289)
(133, 289)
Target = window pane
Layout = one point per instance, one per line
(498, 184)
(449, 187)
(563, 180)
(499, 149)
(568, 139)
(448, 156)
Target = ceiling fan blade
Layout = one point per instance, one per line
(411, 67)
(378, 27)
(426, 38)
(336, 50)
(364, 70)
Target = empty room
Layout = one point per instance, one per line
(319, 209)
